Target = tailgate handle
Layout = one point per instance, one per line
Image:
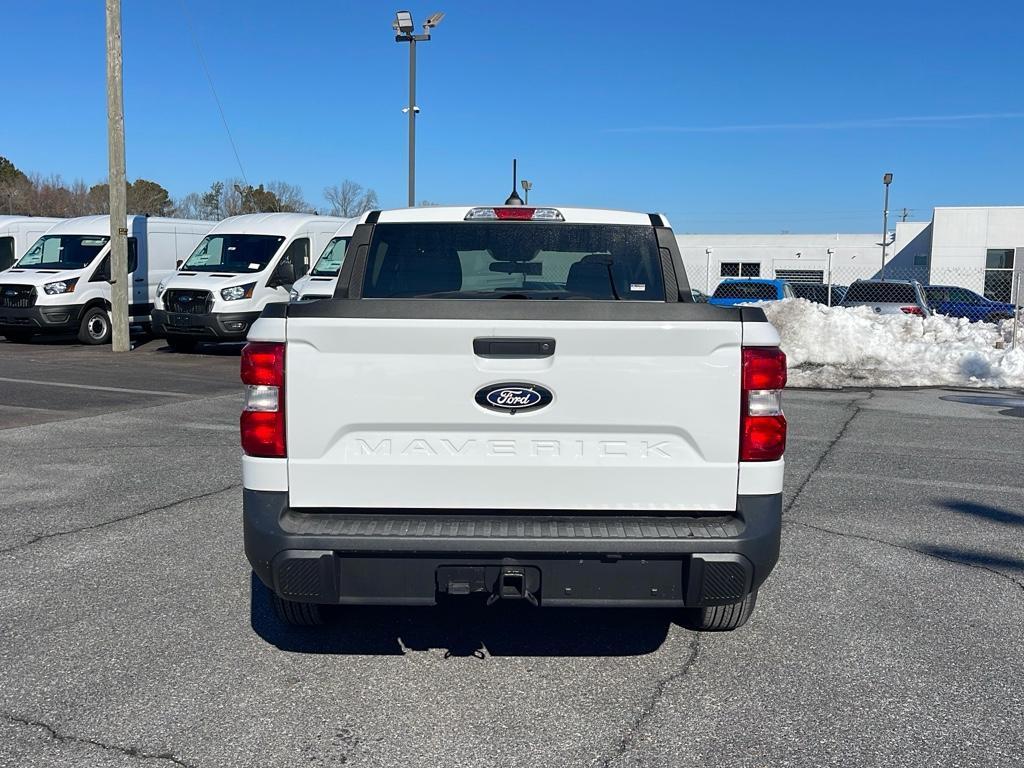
(513, 348)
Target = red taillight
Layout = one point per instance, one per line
(262, 422)
(763, 438)
(762, 423)
(912, 311)
(263, 363)
(516, 213)
(519, 213)
(764, 368)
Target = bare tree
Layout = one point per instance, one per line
(189, 207)
(288, 196)
(350, 199)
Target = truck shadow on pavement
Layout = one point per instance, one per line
(467, 629)
(202, 350)
(984, 511)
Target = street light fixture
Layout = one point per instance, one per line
(527, 186)
(403, 23)
(404, 27)
(886, 180)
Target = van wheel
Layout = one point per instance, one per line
(95, 326)
(297, 614)
(722, 618)
(182, 343)
(19, 337)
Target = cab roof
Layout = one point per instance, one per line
(100, 225)
(274, 223)
(456, 213)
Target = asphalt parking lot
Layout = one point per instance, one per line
(890, 633)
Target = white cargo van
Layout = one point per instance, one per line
(62, 283)
(17, 233)
(243, 264)
(321, 280)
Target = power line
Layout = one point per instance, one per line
(213, 90)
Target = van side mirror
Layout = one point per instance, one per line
(283, 275)
(178, 264)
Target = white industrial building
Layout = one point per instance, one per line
(980, 248)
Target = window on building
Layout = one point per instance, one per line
(999, 274)
(999, 258)
(738, 269)
(920, 259)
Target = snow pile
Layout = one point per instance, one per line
(832, 347)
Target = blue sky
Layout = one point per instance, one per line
(743, 116)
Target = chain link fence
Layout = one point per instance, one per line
(977, 294)
(973, 289)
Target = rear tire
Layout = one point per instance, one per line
(95, 326)
(723, 618)
(297, 614)
(182, 343)
(19, 337)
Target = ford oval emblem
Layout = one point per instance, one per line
(512, 397)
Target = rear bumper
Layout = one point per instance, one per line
(215, 326)
(411, 557)
(42, 318)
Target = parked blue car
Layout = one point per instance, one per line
(744, 290)
(954, 301)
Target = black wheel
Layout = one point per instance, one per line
(19, 337)
(182, 343)
(722, 618)
(297, 614)
(95, 326)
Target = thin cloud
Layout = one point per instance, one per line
(873, 122)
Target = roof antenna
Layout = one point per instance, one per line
(514, 198)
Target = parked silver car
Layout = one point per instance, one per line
(888, 297)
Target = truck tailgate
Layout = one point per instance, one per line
(644, 415)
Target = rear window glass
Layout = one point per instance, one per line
(881, 293)
(752, 291)
(514, 260)
(811, 291)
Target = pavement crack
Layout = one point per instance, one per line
(63, 738)
(855, 410)
(629, 738)
(105, 523)
(908, 548)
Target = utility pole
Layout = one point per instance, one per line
(119, 286)
(887, 180)
(904, 214)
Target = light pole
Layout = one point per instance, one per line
(707, 277)
(527, 186)
(830, 252)
(887, 180)
(404, 26)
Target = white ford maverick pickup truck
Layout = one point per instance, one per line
(513, 403)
